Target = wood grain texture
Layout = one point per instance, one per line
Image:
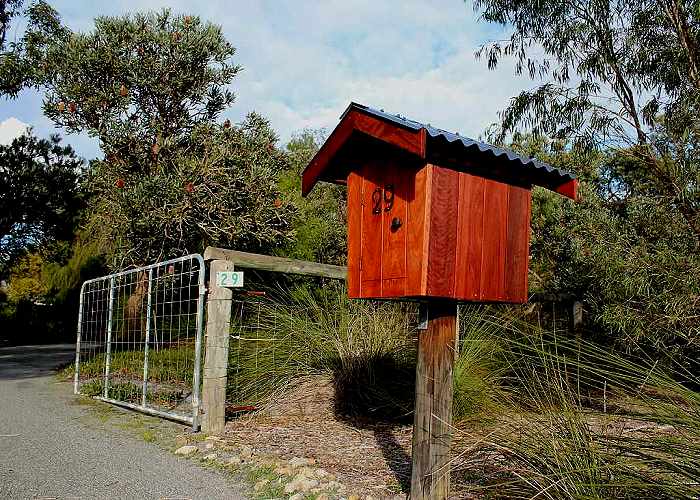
(568, 189)
(417, 257)
(354, 233)
(216, 351)
(371, 248)
(394, 241)
(494, 242)
(319, 163)
(476, 237)
(432, 423)
(279, 264)
(517, 242)
(411, 141)
(444, 197)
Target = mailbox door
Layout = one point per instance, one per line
(383, 229)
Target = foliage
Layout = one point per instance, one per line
(612, 72)
(633, 263)
(39, 195)
(585, 422)
(366, 347)
(21, 62)
(219, 191)
(319, 228)
(8, 10)
(150, 88)
(25, 280)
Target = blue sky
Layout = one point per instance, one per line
(305, 61)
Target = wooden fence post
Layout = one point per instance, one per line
(432, 424)
(216, 353)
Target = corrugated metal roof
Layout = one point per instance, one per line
(470, 145)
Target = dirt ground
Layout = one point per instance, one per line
(370, 459)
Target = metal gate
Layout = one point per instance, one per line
(139, 341)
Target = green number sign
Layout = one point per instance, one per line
(229, 279)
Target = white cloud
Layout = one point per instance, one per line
(305, 60)
(11, 129)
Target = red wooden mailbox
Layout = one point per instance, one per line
(431, 214)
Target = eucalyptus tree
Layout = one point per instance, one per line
(622, 74)
(616, 98)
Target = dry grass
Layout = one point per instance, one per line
(370, 458)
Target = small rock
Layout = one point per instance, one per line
(246, 451)
(186, 450)
(321, 473)
(260, 485)
(210, 456)
(297, 462)
(234, 460)
(209, 445)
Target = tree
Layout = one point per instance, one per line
(319, 228)
(39, 194)
(221, 190)
(618, 74)
(150, 87)
(22, 62)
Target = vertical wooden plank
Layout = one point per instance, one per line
(394, 238)
(517, 251)
(444, 192)
(494, 249)
(354, 233)
(415, 227)
(371, 271)
(475, 235)
(216, 353)
(461, 262)
(432, 423)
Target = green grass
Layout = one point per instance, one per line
(364, 346)
(567, 429)
(166, 365)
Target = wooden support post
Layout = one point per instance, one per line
(216, 353)
(432, 424)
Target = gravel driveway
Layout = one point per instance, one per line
(50, 447)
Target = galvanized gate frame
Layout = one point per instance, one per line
(196, 380)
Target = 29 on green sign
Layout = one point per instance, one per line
(229, 279)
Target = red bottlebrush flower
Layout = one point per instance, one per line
(72, 107)
(227, 123)
(120, 183)
(123, 91)
(278, 203)
(155, 149)
(189, 187)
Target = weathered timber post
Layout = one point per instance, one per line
(216, 353)
(432, 423)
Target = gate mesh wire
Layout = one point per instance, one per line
(138, 332)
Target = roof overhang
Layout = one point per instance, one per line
(360, 125)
